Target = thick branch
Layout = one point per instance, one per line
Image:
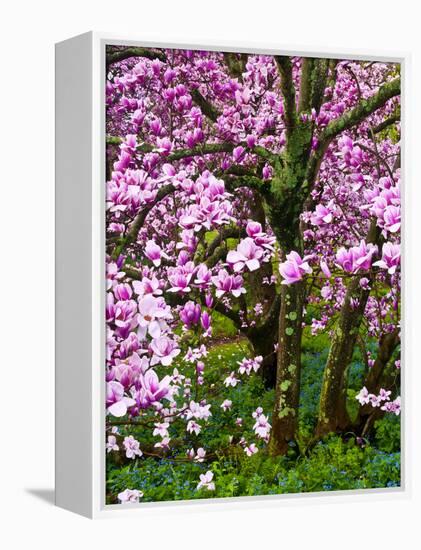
(232, 232)
(206, 149)
(271, 319)
(318, 82)
(355, 116)
(313, 81)
(236, 63)
(388, 122)
(206, 106)
(140, 220)
(127, 53)
(288, 90)
(252, 182)
(307, 64)
(365, 108)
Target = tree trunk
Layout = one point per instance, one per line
(377, 376)
(263, 339)
(332, 408)
(264, 346)
(285, 413)
(387, 345)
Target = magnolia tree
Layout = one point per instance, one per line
(266, 189)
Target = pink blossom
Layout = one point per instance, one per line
(161, 429)
(164, 351)
(123, 291)
(226, 404)
(228, 283)
(117, 402)
(147, 286)
(131, 446)
(205, 321)
(247, 254)
(384, 395)
(152, 312)
(111, 444)
(358, 257)
(231, 380)
(363, 396)
(324, 267)
(392, 218)
(248, 365)
(294, 268)
(321, 215)
(200, 455)
(154, 253)
(238, 153)
(203, 276)
(130, 495)
(198, 411)
(391, 257)
(250, 450)
(262, 427)
(163, 444)
(152, 389)
(179, 281)
(263, 240)
(344, 259)
(190, 314)
(375, 400)
(206, 481)
(393, 406)
(193, 426)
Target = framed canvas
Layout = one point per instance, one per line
(228, 274)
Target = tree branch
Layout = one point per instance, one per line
(252, 182)
(349, 119)
(318, 82)
(271, 318)
(288, 91)
(206, 106)
(226, 233)
(388, 122)
(206, 149)
(365, 108)
(236, 63)
(127, 53)
(307, 64)
(140, 220)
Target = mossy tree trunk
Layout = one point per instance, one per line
(294, 174)
(287, 395)
(263, 338)
(332, 407)
(289, 189)
(381, 374)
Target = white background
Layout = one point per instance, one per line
(28, 32)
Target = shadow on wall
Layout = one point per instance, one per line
(47, 495)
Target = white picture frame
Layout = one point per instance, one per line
(80, 279)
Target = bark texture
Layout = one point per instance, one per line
(332, 408)
(284, 420)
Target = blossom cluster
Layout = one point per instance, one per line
(381, 400)
(188, 240)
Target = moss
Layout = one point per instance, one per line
(286, 412)
(285, 385)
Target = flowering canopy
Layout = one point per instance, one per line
(209, 212)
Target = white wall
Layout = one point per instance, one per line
(28, 32)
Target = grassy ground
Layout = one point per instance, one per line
(333, 464)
